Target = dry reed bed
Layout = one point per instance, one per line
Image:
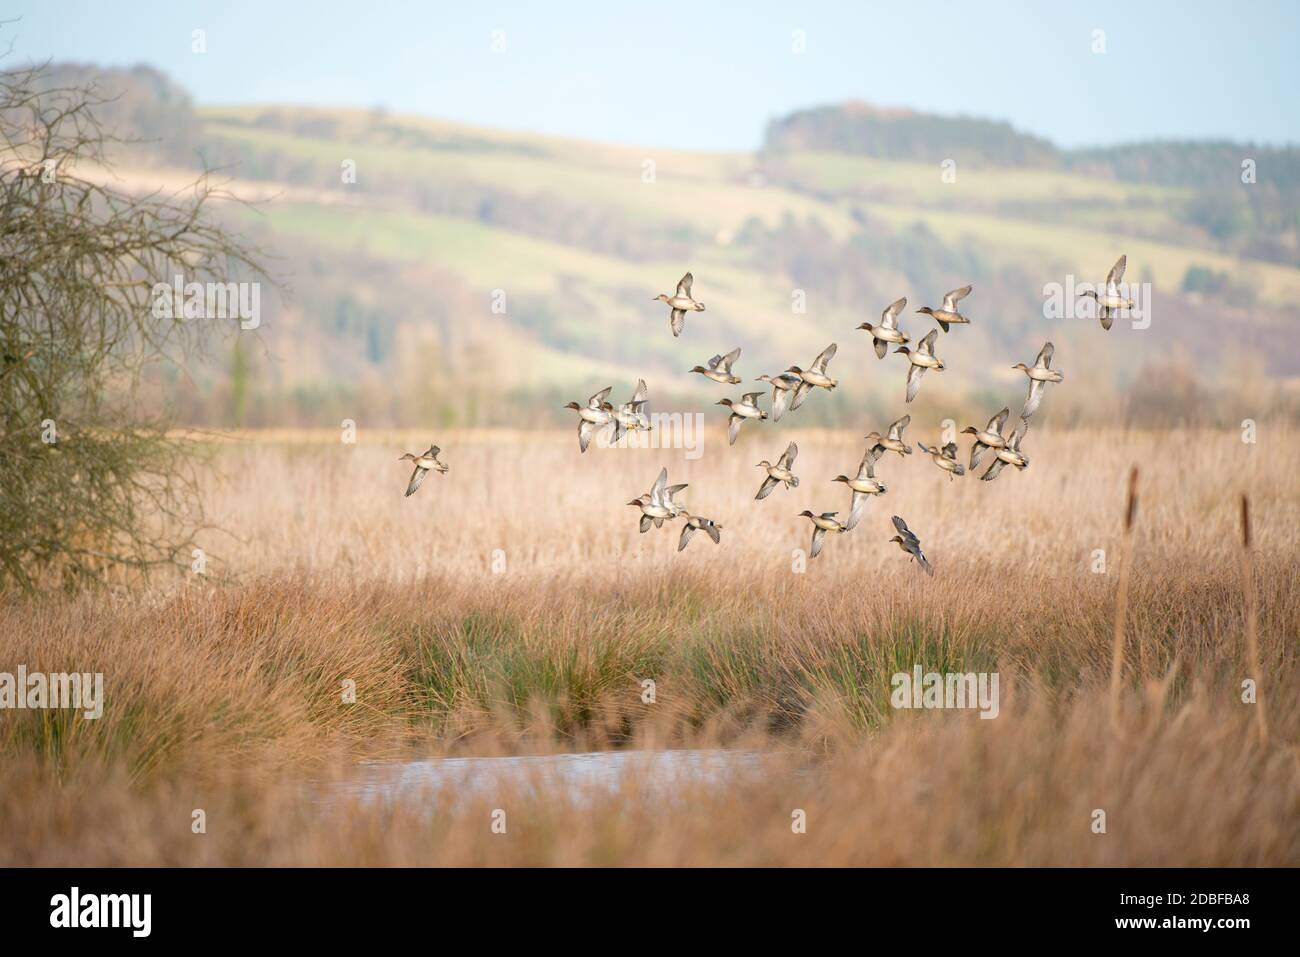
(338, 577)
(1186, 784)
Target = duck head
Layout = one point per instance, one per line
(903, 349)
(806, 514)
(699, 369)
(407, 456)
(970, 430)
(726, 402)
(840, 478)
(899, 539)
(1021, 366)
(765, 464)
(574, 406)
(865, 325)
(926, 310)
(662, 297)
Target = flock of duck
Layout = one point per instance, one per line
(789, 390)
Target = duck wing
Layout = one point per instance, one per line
(999, 420)
(951, 299)
(765, 489)
(896, 430)
(678, 321)
(882, 347)
(976, 454)
(728, 360)
(993, 471)
(925, 562)
(640, 395)
(1116, 274)
(1044, 360)
(857, 506)
(645, 523)
(949, 452)
(597, 400)
(800, 393)
(927, 344)
(780, 402)
(417, 479)
(684, 285)
(819, 536)
(889, 318)
(1018, 436)
(914, 374)
(1034, 398)
(788, 456)
(687, 531)
(733, 428)
(714, 533)
(657, 490)
(823, 360)
(866, 468)
(585, 431)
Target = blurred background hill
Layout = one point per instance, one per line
(390, 281)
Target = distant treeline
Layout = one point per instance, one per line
(1258, 219)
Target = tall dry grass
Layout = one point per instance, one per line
(229, 692)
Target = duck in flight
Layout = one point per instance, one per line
(864, 485)
(1040, 373)
(779, 473)
(746, 408)
(1010, 454)
(631, 415)
(680, 303)
(909, 543)
(814, 376)
(1111, 300)
(658, 506)
(948, 315)
(945, 458)
(719, 369)
(695, 523)
(989, 437)
(823, 523)
(597, 414)
(920, 360)
(893, 442)
(783, 388)
(424, 464)
(888, 331)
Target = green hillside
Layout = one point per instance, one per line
(391, 280)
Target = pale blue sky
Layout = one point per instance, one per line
(709, 75)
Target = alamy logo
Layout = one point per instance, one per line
(1088, 300)
(209, 300)
(922, 689)
(102, 910)
(57, 689)
(660, 430)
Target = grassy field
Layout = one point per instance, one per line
(511, 606)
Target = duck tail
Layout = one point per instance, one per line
(794, 481)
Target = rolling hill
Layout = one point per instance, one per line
(476, 276)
